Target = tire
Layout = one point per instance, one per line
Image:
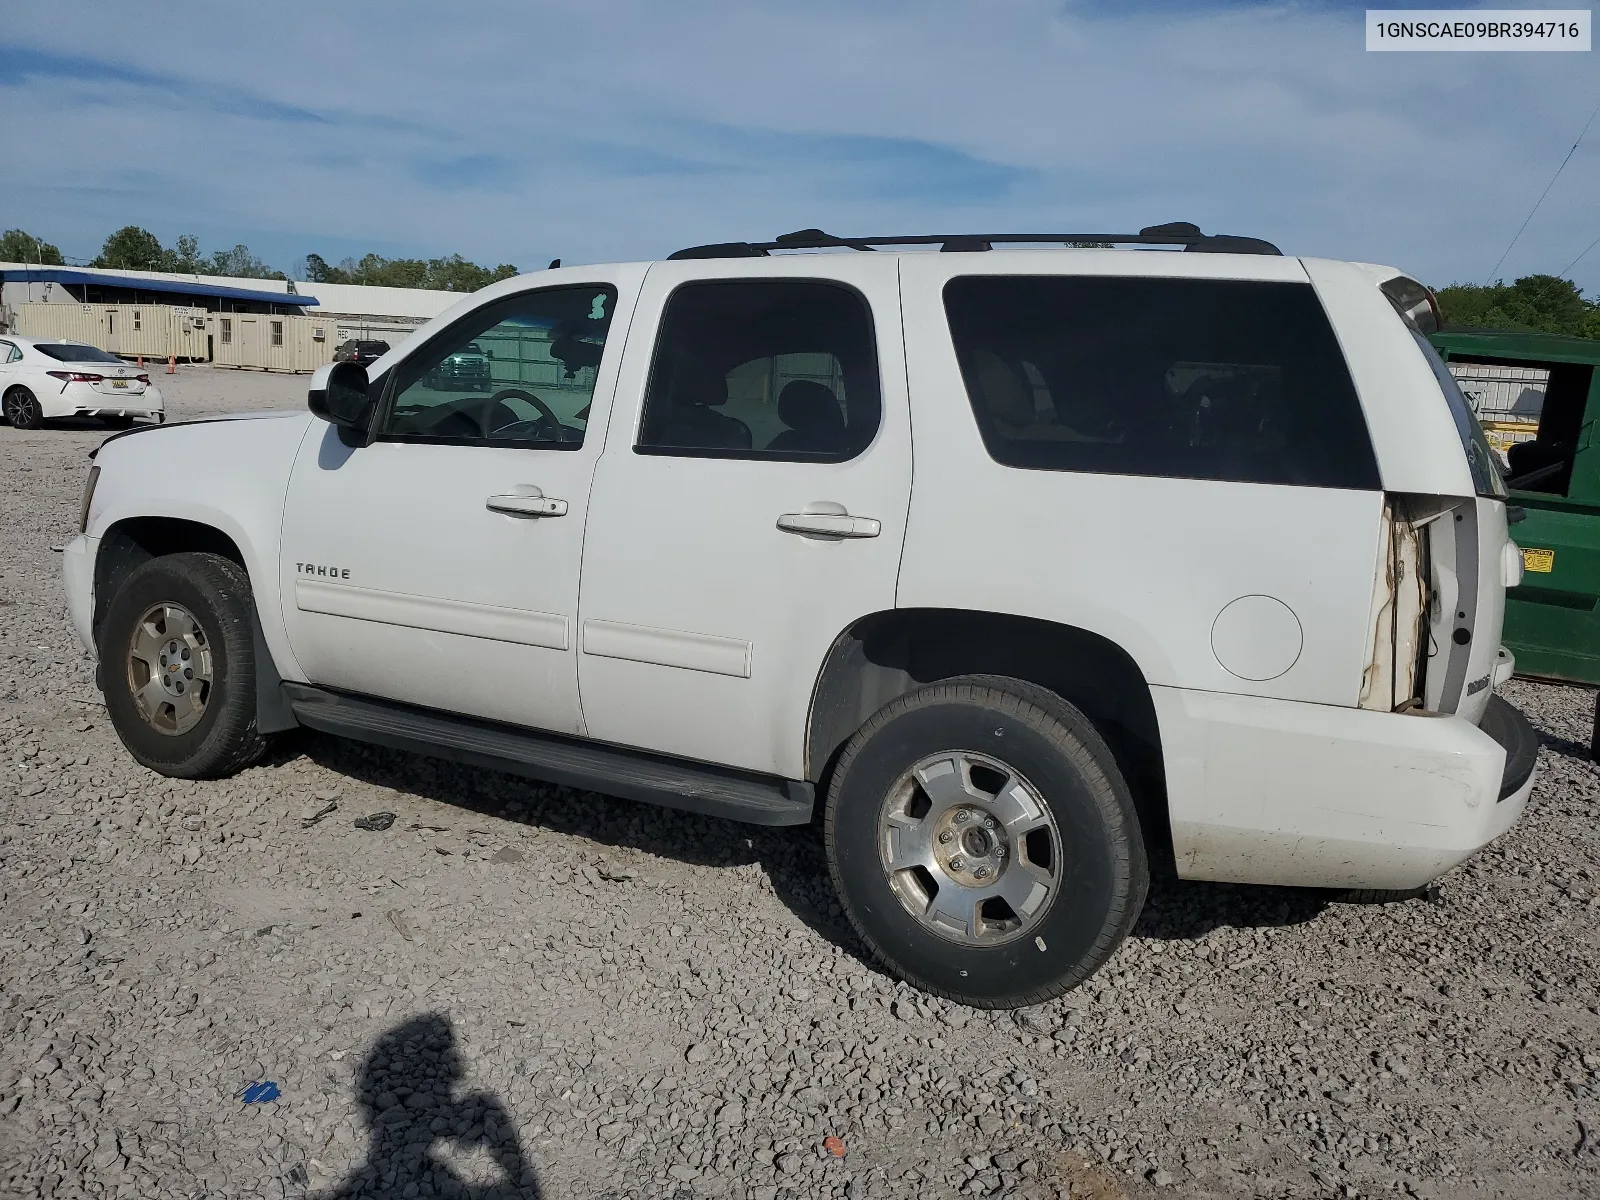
(1070, 784)
(215, 593)
(22, 409)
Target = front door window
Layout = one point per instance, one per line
(518, 372)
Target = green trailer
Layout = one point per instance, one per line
(1538, 398)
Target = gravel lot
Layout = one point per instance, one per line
(520, 990)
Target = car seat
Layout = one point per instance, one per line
(812, 413)
(691, 420)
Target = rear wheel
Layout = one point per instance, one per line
(984, 843)
(178, 661)
(22, 409)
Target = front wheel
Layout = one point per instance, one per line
(983, 842)
(22, 409)
(178, 662)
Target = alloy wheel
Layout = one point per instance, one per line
(169, 668)
(970, 848)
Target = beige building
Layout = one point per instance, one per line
(255, 324)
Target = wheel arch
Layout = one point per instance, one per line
(888, 654)
(130, 542)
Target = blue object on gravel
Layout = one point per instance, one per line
(264, 1092)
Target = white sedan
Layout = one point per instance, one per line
(41, 380)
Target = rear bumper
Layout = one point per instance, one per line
(1309, 795)
(82, 400)
(1517, 737)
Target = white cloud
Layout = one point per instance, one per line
(615, 129)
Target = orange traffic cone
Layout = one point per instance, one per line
(172, 364)
(141, 360)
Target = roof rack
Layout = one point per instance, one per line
(1174, 233)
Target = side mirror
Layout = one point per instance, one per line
(339, 395)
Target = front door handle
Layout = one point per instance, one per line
(826, 519)
(526, 501)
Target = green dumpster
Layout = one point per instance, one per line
(1537, 396)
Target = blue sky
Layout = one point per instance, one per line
(518, 131)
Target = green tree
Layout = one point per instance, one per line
(239, 263)
(452, 274)
(318, 271)
(1534, 303)
(19, 246)
(132, 249)
(185, 256)
(456, 274)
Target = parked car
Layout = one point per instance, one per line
(360, 350)
(1193, 556)
(1554, 479)
(466, 367)
(44, 380)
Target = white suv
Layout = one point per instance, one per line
(1023, 566)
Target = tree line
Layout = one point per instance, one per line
(134, 249)
(1536, 303)
(453, 274)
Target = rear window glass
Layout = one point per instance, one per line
(70, 352)
(1486, 479)
(1186, 378)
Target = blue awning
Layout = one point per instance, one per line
(178, 287)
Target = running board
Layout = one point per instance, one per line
(573, 762)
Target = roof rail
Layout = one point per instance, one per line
(1174, 233)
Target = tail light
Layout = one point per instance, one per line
(142, 378)
(1416, 303)
(75, 376)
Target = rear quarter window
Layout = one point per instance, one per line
(1185, 378)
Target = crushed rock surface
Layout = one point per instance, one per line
(523, 990)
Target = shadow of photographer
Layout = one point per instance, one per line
(409, 1090)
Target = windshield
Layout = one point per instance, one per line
(1486, 479)
(72, 352)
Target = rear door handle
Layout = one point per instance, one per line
(526, 501)
(826, 519)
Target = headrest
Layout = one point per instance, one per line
(694, 386)
(812, 407)
(1005, 395)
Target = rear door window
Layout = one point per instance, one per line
(1185, 378)
(767, 368)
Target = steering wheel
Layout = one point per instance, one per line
(486, 418)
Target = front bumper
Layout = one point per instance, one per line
(1310, 795)
(77, 571)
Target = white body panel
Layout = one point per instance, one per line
(1151, 564)
(704, 625)
(77, 570)
(235, 478)
(434, 599)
